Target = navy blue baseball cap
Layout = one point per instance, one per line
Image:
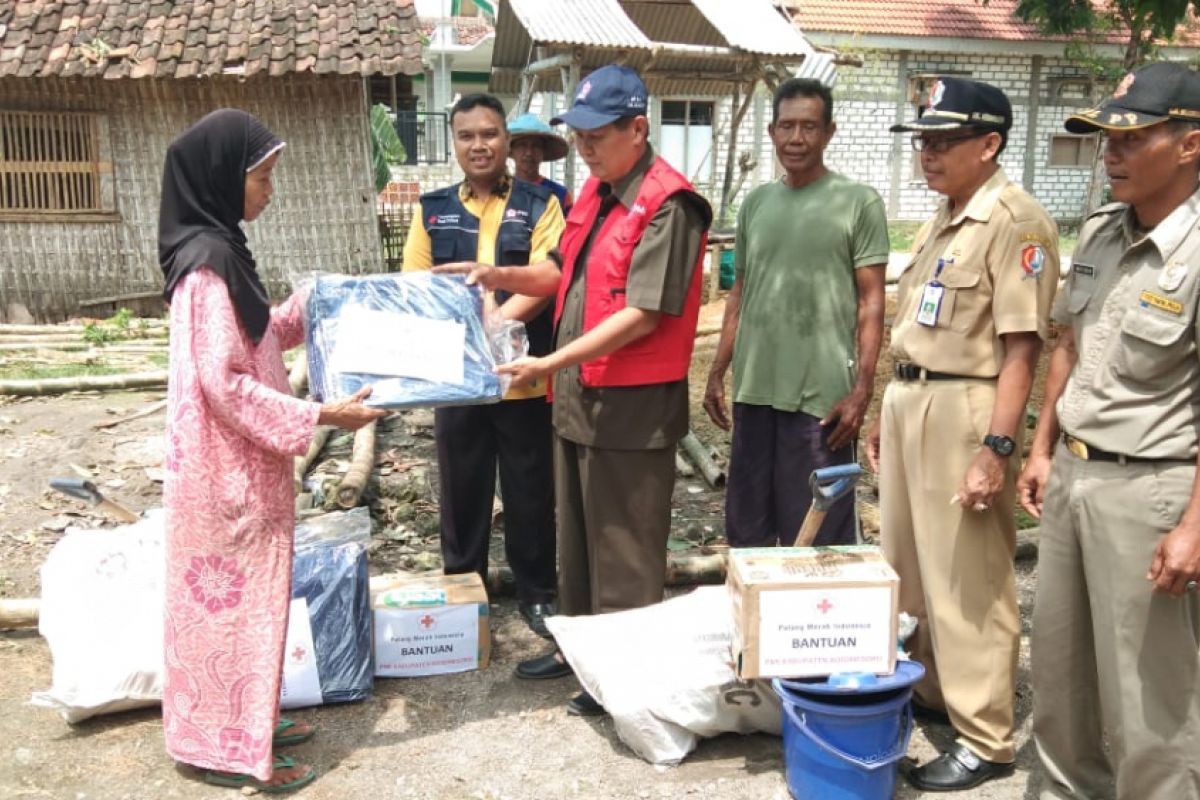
(605, 96)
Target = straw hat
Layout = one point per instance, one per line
(554, 145)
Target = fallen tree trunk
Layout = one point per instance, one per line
(320, 436)
(700, 457)
(100, 383)
(362, 462)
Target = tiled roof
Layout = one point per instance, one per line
(162, 39)
(470, 30)
(955, 19)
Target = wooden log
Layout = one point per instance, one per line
(362, 462)
(302, 463)
(700, 457)
(298, 377)
(19, 612)
(93, 383)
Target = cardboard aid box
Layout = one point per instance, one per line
(804, 612)
(430, 625)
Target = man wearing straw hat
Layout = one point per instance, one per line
(530, 142)
(1116, 626)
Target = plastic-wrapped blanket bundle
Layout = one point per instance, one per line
(419, 339)
(328, 655)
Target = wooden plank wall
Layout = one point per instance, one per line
(322, 216)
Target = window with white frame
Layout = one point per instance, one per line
(686, 137)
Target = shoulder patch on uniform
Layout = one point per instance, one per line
(1033, 259)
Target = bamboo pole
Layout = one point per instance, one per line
(19, 612)
(100, 383)
(362, 462)
(700, 457)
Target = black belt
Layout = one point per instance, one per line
(1087, 452)
(914, 372)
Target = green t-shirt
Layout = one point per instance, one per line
(796, 252)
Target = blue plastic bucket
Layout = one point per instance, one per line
(845, 745)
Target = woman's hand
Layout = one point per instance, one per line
(350, 413)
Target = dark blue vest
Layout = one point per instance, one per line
(454, 236)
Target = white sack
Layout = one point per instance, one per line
(102, 615)
(665, 673)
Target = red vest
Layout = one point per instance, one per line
(664, 354)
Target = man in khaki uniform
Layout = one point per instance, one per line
(1116, 628)
(973, 308)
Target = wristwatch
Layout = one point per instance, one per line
(1002, 446)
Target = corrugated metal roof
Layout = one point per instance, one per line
(600, 23)
(754, 26)
(605, 30)
(818, 66)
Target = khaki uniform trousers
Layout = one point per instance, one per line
(1109, 655)
(955, 565)
(614, 517)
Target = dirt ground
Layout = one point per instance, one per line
(478, 736)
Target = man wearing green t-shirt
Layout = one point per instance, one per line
(803, 326)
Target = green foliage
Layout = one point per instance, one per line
(115, 328)
(901, 235)
(23, 370)
(1147, 21)
(386, 147)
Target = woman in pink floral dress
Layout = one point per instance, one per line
(232, 431)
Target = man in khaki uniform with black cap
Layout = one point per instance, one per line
(972, 312)
(1116, 628)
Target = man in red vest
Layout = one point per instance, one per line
(627, 281)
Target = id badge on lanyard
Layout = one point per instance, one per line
(932, 296)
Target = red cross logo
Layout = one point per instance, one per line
(299, 653)
(427, 622)
(824, 606)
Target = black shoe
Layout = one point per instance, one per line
(543, 668)
(954, 770)
(584, 705)
(928, 714)
(535, 617)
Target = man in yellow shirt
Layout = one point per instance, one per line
(493, 218)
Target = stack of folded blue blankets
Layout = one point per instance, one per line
(335, 298)
(329, 571)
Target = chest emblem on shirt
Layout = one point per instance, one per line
(1033, 260)
(1172, 276)
(1150, 299)
(1086, 270)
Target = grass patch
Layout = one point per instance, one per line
(1026, 520)
(159, 359)
(36, 372)
(901, 235)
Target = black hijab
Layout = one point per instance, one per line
(203, 199)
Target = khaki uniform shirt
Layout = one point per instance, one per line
(633, 417)
(1000, 270)
(1131, 300)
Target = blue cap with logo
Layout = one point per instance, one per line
(605, 96)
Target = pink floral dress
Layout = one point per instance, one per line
(232, 430)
